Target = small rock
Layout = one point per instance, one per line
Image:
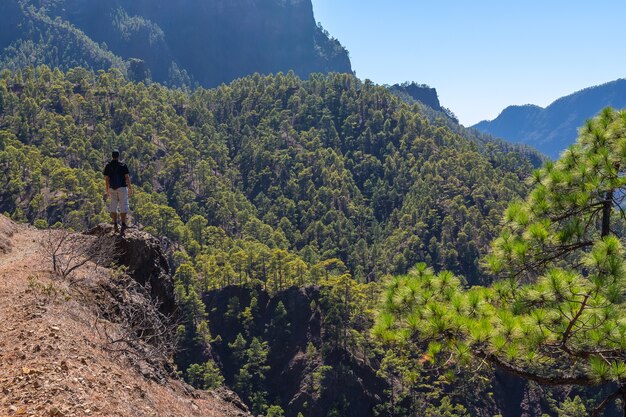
(145, 370)
(55, 412)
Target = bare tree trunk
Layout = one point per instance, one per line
(606, 213)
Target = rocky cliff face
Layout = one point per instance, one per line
(141, 253)
(419, 92)
(205, 41)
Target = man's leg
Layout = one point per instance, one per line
(113, 208)
(123, 206)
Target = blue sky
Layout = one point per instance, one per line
(482, 56)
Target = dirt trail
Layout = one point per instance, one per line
(52, 358)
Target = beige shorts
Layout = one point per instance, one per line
(119, 198)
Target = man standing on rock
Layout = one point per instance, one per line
(118, 186)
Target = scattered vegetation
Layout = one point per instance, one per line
(46, 292)
(145, 40)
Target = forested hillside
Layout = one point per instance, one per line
(326, 168)
(269, 182)
(205, 42)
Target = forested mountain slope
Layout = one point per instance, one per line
(267, 183)
(553, 129)
(326, 168)
(204, 42)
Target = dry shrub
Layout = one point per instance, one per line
(46, 292)
(69, 251)
(143, 334)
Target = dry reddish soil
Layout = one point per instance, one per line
(53, 357)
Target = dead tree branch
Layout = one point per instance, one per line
(69, 251)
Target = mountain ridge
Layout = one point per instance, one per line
(554, 128)
(418, 92)
(193, 43)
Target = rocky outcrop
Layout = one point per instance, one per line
(420, 92)
(61, 356)
(141, 253)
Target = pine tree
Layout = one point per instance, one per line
(250, 382)
(556, 314)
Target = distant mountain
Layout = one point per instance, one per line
(206, 42)
(553, 129)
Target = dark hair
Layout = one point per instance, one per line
(115, 154)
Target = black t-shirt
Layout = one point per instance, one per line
(116, 171)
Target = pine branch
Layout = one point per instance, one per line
(552, 380)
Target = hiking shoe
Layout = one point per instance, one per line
(115, 228)
(124, 227)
